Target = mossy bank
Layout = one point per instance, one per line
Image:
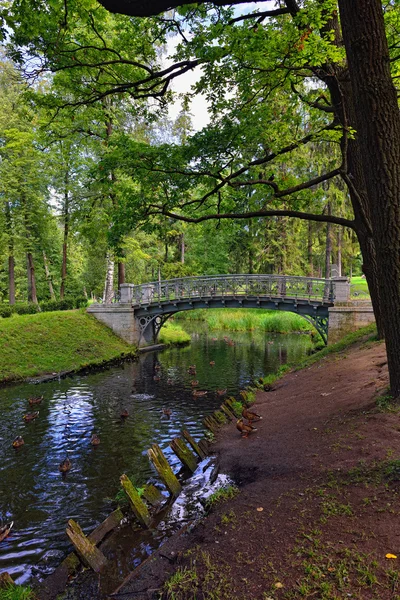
(47, 343)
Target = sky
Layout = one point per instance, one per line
(183, 84)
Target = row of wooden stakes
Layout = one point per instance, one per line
(189, 454)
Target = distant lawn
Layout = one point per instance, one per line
(359, 287)
(172, 333)
(55, 341)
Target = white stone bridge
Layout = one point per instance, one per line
(139, 312)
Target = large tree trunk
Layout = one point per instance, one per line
(378, 132)
(328, 245)
(310, 249)
(11, 260)
(65, 240)
(108, 293)
(48, 277)
(121, 273)
(339, 251)
(32, 296)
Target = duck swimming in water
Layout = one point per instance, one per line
(198, 393)
(95, 440)
(31, 416)
(124, 414)
(5, 530)
(18, 442)
(35, 400)
(65, 465)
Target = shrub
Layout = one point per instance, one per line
(5, 311)
(26, 308)
(81, 302)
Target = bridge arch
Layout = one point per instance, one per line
(155, 302)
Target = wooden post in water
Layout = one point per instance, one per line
(184, 454)
(220, 417)
(90, 555)
(193, 444)
(227, 412)
(136, 503)
(152, 495)
(164, 470)
(211, 424)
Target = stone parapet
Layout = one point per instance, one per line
(346, 317)
(120, 318)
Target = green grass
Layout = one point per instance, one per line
(222, 495)
(368, 332)
(242, 319)
(17, 592)
(359, 288)
(53, 342)
(172, 333)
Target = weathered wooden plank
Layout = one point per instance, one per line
(164, 470)
(227, 412)
(88, 552)
(211, 424)
(110, 523)
(137, 505)
(203, 445)
(193, 444)
(185, 455)
(6, 580)
(152, 495)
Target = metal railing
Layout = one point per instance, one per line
(242, 286)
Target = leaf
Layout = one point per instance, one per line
(278, 585)
(260, 509)
(390, 556)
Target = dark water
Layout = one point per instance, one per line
(35, 495)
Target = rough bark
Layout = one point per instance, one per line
(144, 8)
(48, 276)
(310, 249)
(11, 260)
(121, 273)
(108, 293)
(339, 251)
(328, 245)
(32, 295)
(65, 238)
(378, 132)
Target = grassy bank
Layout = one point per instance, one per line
(368, 332)
(173, 334)
(52, 342)
(241, 319)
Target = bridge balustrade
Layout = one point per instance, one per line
(272, 286)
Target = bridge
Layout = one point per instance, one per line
(140, 311)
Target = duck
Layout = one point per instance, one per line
(167, 412)
(156, 378)
(212, 363)
(95, 440)
(31, 416)
(192, 371)
(194, 383)
(199, 393)
(244, 429)
(18, 442)
(35, 400)
(5, 530)
(221, 392)
(65, 465)
(124, 414)
(157, 367)
(250, 416)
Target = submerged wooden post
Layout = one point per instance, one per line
(152, 495)
(164, 470)
(211, 424)
(90, 555)
(184, 454)
(220, 417)
(203, 445)
(136, 503)
(193, 444)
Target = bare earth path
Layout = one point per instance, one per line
(318, 507)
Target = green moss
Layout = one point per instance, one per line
(56, 341)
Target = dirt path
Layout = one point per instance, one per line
(317, 509)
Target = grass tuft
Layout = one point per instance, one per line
(17, 592)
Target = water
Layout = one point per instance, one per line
(40, 500)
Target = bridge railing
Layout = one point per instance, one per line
(220, 286)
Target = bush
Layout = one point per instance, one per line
(81, 302)
(5, 311)
(27, 308)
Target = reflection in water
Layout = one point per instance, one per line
(40, 500)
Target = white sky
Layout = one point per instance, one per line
(183, 84)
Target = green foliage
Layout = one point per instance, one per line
(17, 592)
(239, 319)
(122, 499)
(172, 334)
(222, 495)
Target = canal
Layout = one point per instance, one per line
(40, 500)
